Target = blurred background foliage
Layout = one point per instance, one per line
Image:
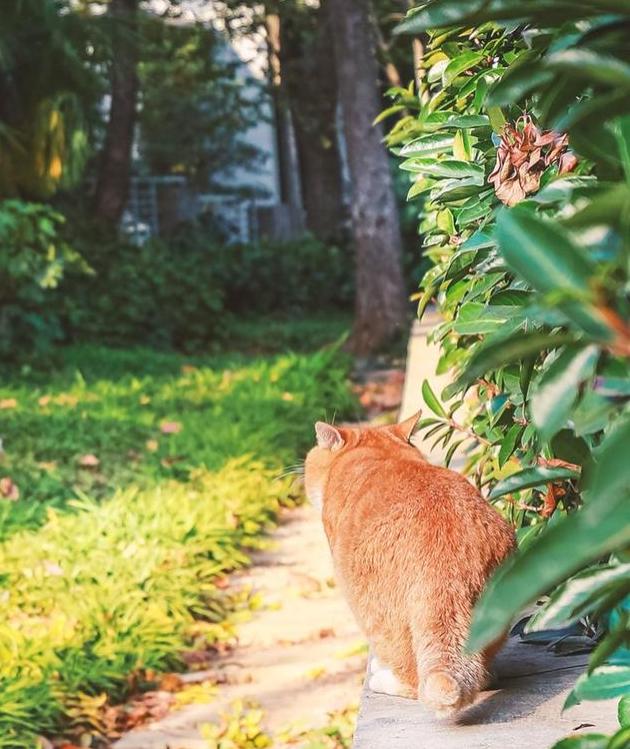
(528, 233)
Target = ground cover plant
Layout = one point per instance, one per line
(131, 480)
(518, 142)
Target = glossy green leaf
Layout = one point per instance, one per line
(475, 318)
(623, 711)
(455, 189)
(611, 207)
(574, 596)
(603, 683)
(509, 443)
(431, 400)
(446, 168)
(592, 414)
(444, 13)
(585, 741)
(500, 349)
(428, 144)
(599, 528)
(544, 255)
(460, 64)
(557, 389)
(585, 63)
(445, 222)
(462, 146)
(621, 740)
(467, 121)
(529, 477)
(517, 83)
(611, 647)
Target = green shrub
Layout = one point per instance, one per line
(303, 276)
(185, 292)
(534, 296)
(159, 294)
(33, 260)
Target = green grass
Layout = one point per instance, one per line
(107, 571)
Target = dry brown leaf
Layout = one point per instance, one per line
(522, 156)
(89, 461)
(171, 683)
(8, 489)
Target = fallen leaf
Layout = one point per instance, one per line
(89, 461)
(47, 465)
(64, 399)
(8, 489)
(52, 569)
(170, 427)
(170, 683)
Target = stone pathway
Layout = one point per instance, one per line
(300, 657)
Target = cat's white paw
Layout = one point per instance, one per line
(385, 682)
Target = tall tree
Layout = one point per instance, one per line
(193, 117)
(112, 187)
(380, 294)
(308, 69)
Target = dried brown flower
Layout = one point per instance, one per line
(523, 154)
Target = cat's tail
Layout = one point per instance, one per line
(453, 685)
(448, 678)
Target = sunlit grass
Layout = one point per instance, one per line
(141, 478)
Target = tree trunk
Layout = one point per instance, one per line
(308, 68)
(290, 188)
(112, 188)
(380, 295)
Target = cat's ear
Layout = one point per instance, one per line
(328, 436)
(405, 428)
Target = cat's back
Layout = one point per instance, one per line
(394, 505)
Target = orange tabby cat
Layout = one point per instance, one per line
(413, 545)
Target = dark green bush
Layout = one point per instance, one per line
(184, 292)
(159, 294)
(33, 259)
(303, 275)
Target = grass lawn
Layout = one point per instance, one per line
(131, 480)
